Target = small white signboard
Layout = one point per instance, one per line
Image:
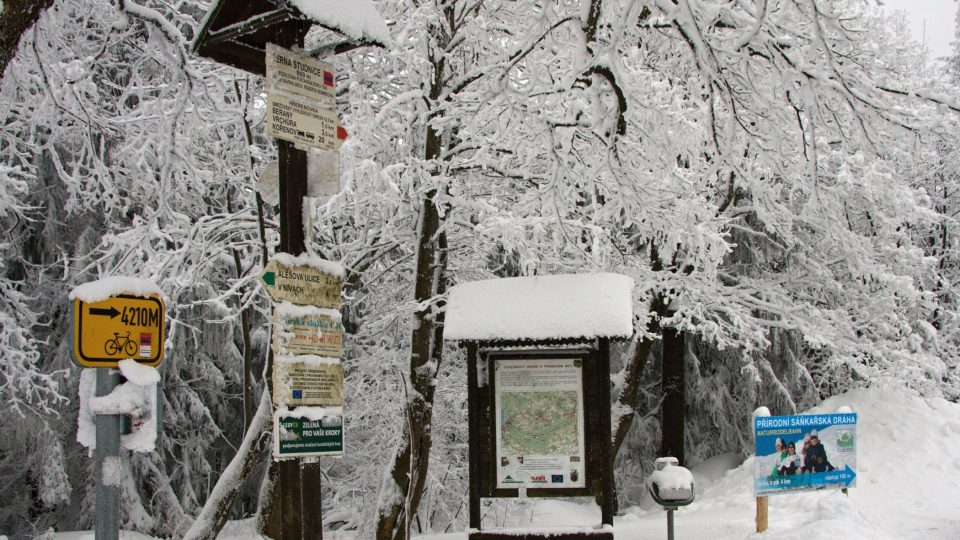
(302, 333)
(296, 73)
(301, 123)
(307, 380)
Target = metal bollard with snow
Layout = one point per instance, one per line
(671, 486)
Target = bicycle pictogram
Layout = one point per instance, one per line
(121, 343)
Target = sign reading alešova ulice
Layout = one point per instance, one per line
(805, 452)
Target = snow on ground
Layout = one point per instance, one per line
(908, 487)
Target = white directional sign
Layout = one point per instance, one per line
(301, 285)
(299, 74)
(302, 123)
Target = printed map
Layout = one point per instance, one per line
(538, 423)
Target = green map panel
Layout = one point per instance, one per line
(539, 423)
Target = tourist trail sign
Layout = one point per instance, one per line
(302, 285)
(304, 333)
(118, 328)
(299, 74)
(303, 123)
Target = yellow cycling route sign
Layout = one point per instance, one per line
(118, 328)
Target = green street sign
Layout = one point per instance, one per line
(301, 437)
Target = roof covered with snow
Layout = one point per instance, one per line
(356, 19)
(567, 306)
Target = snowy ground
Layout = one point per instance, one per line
(908, 487)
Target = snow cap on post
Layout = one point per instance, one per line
(569, 306)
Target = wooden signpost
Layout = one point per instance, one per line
(242, 33)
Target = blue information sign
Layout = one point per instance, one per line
(801, 453)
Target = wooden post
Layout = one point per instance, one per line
(473, 418)
(301, 508)
(608, 500)
(762, 509)
(673, 384)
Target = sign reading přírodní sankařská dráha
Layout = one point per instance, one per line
(803, 453)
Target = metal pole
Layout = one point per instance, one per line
(670, 523)
(108, 469)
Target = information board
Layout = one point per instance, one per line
(539, 423)
(805, 452)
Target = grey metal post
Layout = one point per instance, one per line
(108, 467)
(670, 523)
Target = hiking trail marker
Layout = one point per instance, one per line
(302, 285)
(295, 73)
(120, 327)
(303, 123)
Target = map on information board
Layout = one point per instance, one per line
(539, 423)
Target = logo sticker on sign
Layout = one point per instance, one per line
(146, 344)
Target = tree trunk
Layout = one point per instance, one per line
(217, 508)
(18, 16)
(401, 493)
(673, 385)
(625, 408)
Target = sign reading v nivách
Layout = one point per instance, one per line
(302, 285)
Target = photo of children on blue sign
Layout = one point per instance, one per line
(806, 452)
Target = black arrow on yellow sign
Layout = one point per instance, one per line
(112, 312)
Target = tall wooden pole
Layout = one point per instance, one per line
(298, 493)
(608, 500)
(674, 390)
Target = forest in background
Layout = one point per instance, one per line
(779, 177)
